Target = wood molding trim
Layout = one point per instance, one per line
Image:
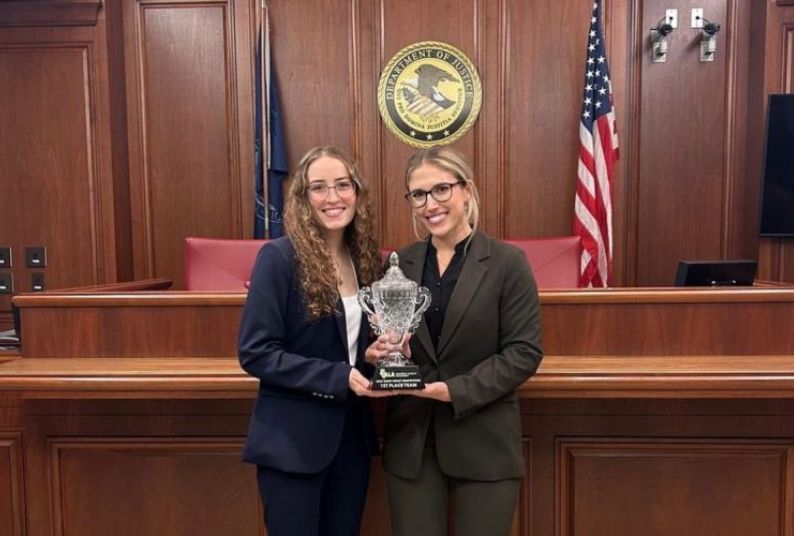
(734, 133)
(13, 481)
(50, 13)
(787, 70)
(82, 486)
(586, 465)
(636, 46)
(559, 376)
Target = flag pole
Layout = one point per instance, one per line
(264, 55)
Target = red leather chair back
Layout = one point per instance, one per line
(554, 261)
(219, 264)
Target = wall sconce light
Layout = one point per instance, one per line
(708, 40)
(659, 42)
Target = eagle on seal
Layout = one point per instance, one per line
(421, 93)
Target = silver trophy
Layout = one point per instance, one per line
(395, 305)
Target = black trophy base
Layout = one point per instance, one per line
(397, 377)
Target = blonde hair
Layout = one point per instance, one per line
(452, 161)
(316, 272)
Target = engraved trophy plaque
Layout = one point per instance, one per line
(395, 305)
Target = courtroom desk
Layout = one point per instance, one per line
(9, 354)
(656, 411)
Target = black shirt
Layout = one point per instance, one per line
(440, 287)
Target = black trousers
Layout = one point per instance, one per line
(328, 503)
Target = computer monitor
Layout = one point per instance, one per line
(777, 189)
(17, 321)
(715, 273)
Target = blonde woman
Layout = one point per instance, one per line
(457, 443)
(303, 335)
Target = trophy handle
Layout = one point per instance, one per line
(364, 300)
(423, 301)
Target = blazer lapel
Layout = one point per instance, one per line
(341, 322)
(469, 280)
(363, 338)
(413, 266)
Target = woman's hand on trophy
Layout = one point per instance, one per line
(433, 390)
(360, 385)
(382, 347)
(405, 348)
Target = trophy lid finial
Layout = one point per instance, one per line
(393, 259)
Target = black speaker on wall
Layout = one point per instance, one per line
(777, 191)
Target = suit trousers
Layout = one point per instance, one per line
(422, 505)
(328, 503)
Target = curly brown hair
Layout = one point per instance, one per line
(318, 277)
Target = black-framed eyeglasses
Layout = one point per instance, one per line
(320, 190)
(441, 192)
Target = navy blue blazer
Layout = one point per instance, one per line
(303, 370)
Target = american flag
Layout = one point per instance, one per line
(598, 152)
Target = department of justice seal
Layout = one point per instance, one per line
(429, 94)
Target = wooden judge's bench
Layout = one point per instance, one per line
(654, 412)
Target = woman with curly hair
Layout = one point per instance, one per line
(303, 335)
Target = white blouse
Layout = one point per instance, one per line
(353, 315)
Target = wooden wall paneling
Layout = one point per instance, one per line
(544, 94)
(682, 141)
(131, 464)
(632, 486)
(491, 144)
(55, 159)
(241, 85)
(404, 22)
(163, 331)
(768, 260)
(788, 51)
(611, 323)
(674, 329)
(623, 49)
(152, 486)
(120, 147)
(12, 512)
(189, 108)
(314, 64)
(523, 147)
(50, 13)
(366, 140)
(756, 113)
(776, 255)
(740, 231)
(787, 75)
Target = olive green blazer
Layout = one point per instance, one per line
(489, 345)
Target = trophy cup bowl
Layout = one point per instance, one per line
(395, 305)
